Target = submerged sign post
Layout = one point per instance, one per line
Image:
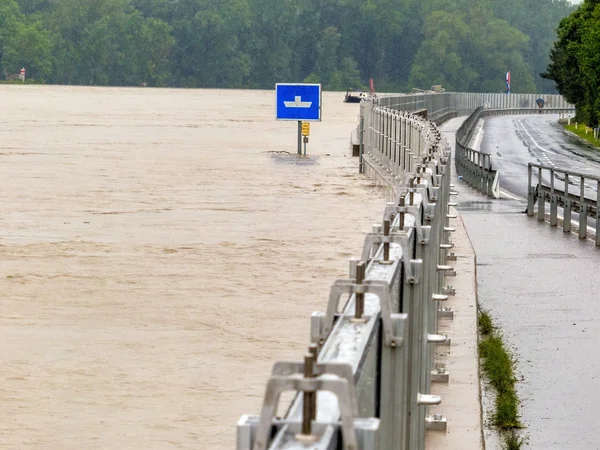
(299, 102)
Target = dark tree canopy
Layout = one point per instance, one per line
(575, 61)
(401, 44)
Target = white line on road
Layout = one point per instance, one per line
(531, 137)
(506, 194)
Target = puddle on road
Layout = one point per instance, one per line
(475, 205)
(550, 256)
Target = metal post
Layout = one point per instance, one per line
(567, 207)
(359, 298)
(553, 202)
(582, 211)
(530, 192)
(386, 245)
(299, 137)
(541, 199)
(308, 397)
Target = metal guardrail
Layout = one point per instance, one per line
(475, 167)
(583, 202)
(365, 382)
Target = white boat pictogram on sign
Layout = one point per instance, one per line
(297, 103)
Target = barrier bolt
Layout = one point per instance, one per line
(401, 214)
(308, 396)
(313, 349)
(359, 298)
(386, 245)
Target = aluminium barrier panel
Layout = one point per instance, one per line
(365, 381)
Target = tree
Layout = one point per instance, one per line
(471, 52)
(574, 61)
(29, 46)
(10, 19)
(209, 52)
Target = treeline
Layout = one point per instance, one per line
(464, 45)
(575, 61)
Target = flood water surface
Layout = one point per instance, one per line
(160, 250)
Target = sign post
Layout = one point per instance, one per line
(305, 134)
(299, 102)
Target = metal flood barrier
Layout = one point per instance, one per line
(553, 187)
(443, 106)
(364, 382)
(475, 167)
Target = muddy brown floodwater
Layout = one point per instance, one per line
(158, 254)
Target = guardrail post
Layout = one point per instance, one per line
(567, 207)
(541, 198)
(480, 177)
(583, 210)
(553, 202)
(490, 176)
(530, 192)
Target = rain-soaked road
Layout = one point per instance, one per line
(541, 286)
(515, 141)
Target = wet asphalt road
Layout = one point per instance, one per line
(515, 141)
(541, 287)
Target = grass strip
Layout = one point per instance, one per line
(513, 442)
(580, 131)
(498, 366)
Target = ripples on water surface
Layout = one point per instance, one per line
(159, 252)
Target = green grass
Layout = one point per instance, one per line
(580, 131)
(513, 442)
(486, 327)
(498, 366)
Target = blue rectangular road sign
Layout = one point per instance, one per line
(298, 101)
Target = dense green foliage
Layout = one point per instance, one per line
(465, 45)
(575, 61)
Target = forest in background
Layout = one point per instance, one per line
(464, 45)
(575, 61)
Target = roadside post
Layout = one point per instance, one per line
(299, 102)
(305, 134)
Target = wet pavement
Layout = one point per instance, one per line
(515, 141)
(541, 287)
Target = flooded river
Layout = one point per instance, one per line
(159, 251)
